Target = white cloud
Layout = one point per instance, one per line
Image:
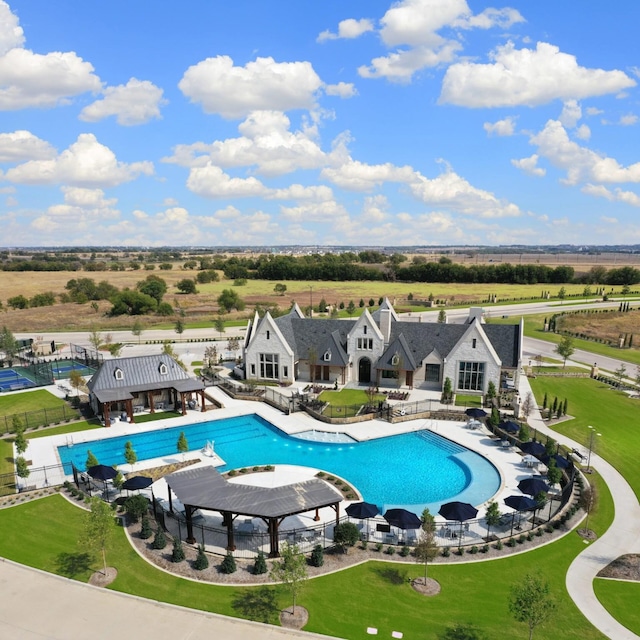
(314, 212)
(594, 111)
(375, 209)
(266, 143)
(583, 132)
(599, 191)
(454, 192)
(628, 120)
(136, 102)
(529, 165)
(415, 24)
(527, 77)
(580, 163)
(11, 33)
(358, 176)
(504, 127)
(264, 84)
(571, 113)
(85, 163)
(348, 29)
(342, 89)
(211, 182)
(299, 192)
(23, 145)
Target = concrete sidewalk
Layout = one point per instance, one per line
(621, 537)
(36, 605)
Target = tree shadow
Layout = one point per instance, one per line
(72, 565)
(257, 604)
(393, 575)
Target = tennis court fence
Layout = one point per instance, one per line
(39, 418)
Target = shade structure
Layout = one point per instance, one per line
(362, 510)
(520, 503)
(459, 511)
(102, 472)
(475, 412)
(509, 426)
(533, 486)
(402, 519)
(561, 461)
(534, 448)
(137, 482)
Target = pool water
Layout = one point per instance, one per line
(411, 470)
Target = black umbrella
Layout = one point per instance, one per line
(476, 413)
(534, 448)
(561, 461)
(402, 519)
(137, 482)
(458, 511)
(509, 426)
(102, 472)
(533, 486)
(520, 503)
(362, 510)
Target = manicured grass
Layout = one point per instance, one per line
(612, 413)
(366, 595)
(28, 401)
(620, 599)
(348, 397)
(468, 401)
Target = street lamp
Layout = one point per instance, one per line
(592, 435)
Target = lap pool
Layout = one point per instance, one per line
(413, 470)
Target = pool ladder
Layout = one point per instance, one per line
(69, 441)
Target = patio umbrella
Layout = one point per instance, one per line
(534, 448)
(104, 473)
(137, 482)
(458, 511)
(519, 503)
(474, 412)
(402, 519)
(533, 486)
(561, 461)
(362, 510)
(509, 426)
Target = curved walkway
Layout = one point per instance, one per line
(621, 538)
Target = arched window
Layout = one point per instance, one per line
(327, 355)
(395, 359)
(119, 374)
(163, 369)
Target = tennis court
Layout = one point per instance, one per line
(12, 380)
(63, 368)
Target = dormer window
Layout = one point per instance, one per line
(395, 360)
(327, 355)
(163, 369)
(119, 374)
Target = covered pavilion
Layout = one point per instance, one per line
(204, 488)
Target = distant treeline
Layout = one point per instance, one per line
(347, 266)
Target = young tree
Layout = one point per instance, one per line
(233, 345)
(562, 294)
(228, 564)
(202, 562)
(345, 535)
(447, 392)
(530, 601)
(527, 406)
(492, 515)
(179, 326)
(20, 440)
(8, 344)
(129, 453)
(160, 539)
(145, 528)
(291, 570)
(565, 348)
(218, 324)
(182, 445)
(351, 308)
(260, 565)
(491, 393)
(76, 381)
(442, 316)
(177, 553)
(95, 337)
(229, 300)
(92, 461)
(22, 469)
(427, 547)
(137, 329)
(98, 528)
(280, 288)
(620, 373)
(554, 473)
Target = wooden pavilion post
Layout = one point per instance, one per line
(152, 408)
(227, 520)
(188, 511)
(129, 405)
(183, 404)
(105, 412)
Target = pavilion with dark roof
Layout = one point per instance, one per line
(205, 488)
(134, 384)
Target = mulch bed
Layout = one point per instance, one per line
(625, 567)
(429, 588)
(102, 579)
(294, 619)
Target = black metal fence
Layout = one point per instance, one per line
(39, 418)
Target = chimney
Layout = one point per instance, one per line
(385, 324)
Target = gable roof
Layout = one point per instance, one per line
(139, 373)
(398, 347)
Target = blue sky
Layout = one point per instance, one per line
(419, 122)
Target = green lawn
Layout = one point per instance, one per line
(28, 401)
(374, 594)
(348, 397)
(612, 413)
(621, 600)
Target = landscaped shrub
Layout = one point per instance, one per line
(446, 552)
(145, 530)
(202, 562)
(177, 555)
(228, 564)
(405, 551)
(363, 545)
(539, 532)
(473, 549)
(529, 536)
(160, 540)
(136, 506)
(390, 550)
(317, 556)
(511, 542)
(548, 529)
(521, 538)
(485, 548)
(379, 546)
(498, 545)
(260, 565)
(461, 551)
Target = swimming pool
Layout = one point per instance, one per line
(412, 470)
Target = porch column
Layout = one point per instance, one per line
(105, 412)
(203, 401)
(188, 511)
(317, 516)
(183, 403)
(227, 520)
(152, 408)
(129, 405)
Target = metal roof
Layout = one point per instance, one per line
(205, 488)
